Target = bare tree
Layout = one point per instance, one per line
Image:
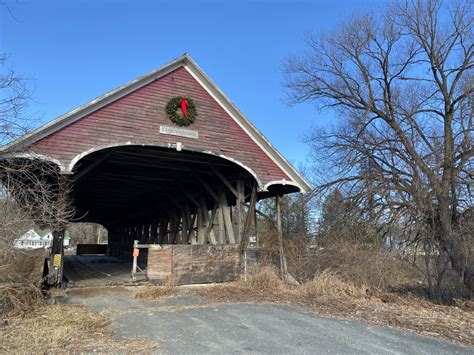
(31, 190)
(14, 99)
(32, 193)
(402, 85)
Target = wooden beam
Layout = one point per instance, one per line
(189, 196)
(224, 180)
(210, 222)
(207, 187)
(162, 230)
(240, 210)
(224, 207)
(208, 232)
(201, 225)
(248, 221)
(192, 229)
(89, 168)
(154, 233)
(220, 219)
(173, 227)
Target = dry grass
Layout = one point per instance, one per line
(64, 328)
(264, 279)
(329, 284)
(20, 280)
(360, 263)
(19, 298)
(327, 294)
(155, 292)
(31, 326)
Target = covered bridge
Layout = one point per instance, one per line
(164, 159)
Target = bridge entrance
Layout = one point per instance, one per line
(165, 161)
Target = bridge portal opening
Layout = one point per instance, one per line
(133, 161)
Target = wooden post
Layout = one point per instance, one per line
(173, 228)
(246, 233)
(206, 223)
(220, 220)
(256, 228)
(192, 237)
(135, 258)
(154, 233)
(240, 209)
(210, 224)
(56, 262)
(162, 230)
(283, 268)
(201, 227)
(184, 225)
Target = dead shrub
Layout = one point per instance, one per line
(154, 292)
(265, 279)
(19, 298)
(27, 265)
(359, 263)
(269, 247)
(20, 284)
(328, 284)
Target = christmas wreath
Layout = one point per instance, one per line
(188, 110)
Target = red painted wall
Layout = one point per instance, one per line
(137, 118)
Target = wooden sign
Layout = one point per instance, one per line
(175, 131)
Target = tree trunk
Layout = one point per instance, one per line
(455, 249)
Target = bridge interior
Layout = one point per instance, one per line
(136, 184)
(161, 195)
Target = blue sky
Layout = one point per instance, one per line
(77, 50)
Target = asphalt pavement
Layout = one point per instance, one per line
(190, 325)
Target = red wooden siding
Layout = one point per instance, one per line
(137, 117)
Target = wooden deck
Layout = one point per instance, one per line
(96, 270)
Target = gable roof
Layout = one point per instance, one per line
(30, 235)
(190, 65)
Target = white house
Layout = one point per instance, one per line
(37, 239)
(29, 240)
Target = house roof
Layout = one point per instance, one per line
(30, 235)
(183, 61)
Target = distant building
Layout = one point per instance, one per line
(37, 239)
(29, 240)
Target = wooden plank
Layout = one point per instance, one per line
(206, 263)
(159, 265)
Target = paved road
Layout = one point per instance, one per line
(187, 324)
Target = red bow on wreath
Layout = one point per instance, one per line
(184, 107)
